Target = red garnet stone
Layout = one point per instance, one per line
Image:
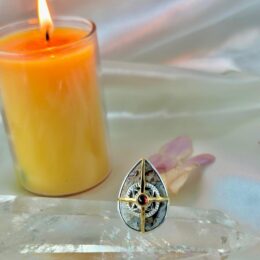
(142, 199)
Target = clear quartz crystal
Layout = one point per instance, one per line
(47, 228)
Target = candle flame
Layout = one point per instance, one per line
(45, 19)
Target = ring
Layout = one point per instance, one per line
(143, 198)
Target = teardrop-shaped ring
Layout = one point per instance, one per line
(143, 198)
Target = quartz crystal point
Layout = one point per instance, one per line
(47, 228)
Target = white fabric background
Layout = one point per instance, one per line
(215, 35)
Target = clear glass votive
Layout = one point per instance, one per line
(52, 106)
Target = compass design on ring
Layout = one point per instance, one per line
(146, 201)
(135, 207)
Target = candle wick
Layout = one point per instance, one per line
(47, 36)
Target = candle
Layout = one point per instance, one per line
(52, 106)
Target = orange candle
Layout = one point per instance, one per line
(52, 104)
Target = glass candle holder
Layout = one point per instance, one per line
(52, 106)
